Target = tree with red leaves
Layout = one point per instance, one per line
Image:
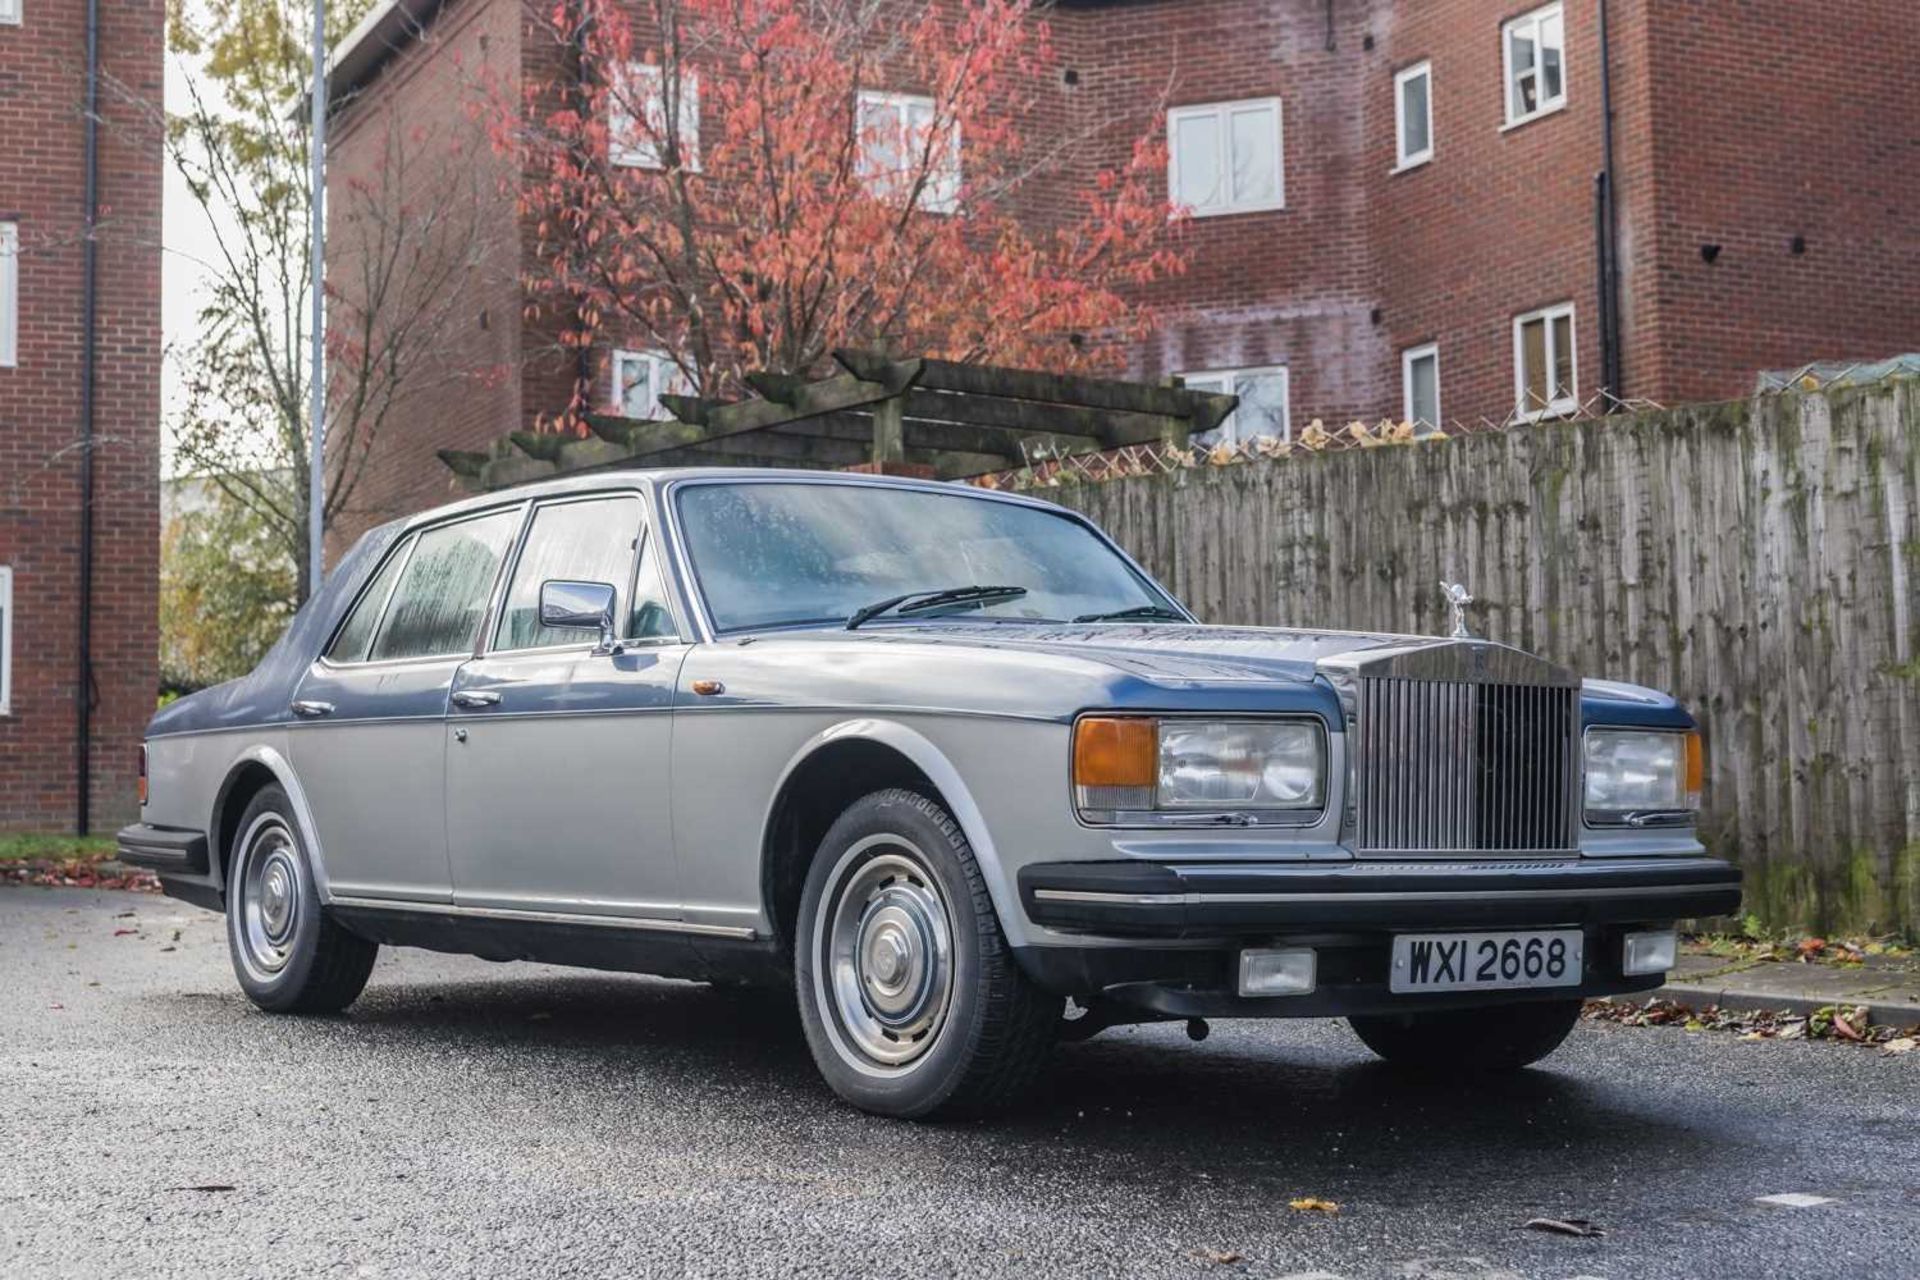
(744, 185)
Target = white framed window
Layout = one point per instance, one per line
(895, 131)
(6, 634)
(1413, 116)
(1534, 49)
(1546, 380)
(10, 12)
(1420, 387)
(1263, 410)
(9, 292)
(1226, 157)
(637, 143)
(640, 378)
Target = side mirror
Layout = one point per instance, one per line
(584, 606)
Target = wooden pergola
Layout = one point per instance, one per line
(928, 417)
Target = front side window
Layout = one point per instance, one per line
(1263, 410)
(641, 122)
(1226, 157)
(1545, 381)
(590, 541)
(1536, 64)
(1413, 116)
(1420, 385)
(640, 378)
(6, 640)
(898, 145)
(773, 554)
(442, 593)
(9, 292)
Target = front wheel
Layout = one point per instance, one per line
(1494, 1038)
(911, 1000)
(289, 957)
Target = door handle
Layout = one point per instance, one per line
(309, 709)
(475, 698)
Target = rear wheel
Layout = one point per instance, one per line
(289, 957)
(911, 1000)
(1470, 1041)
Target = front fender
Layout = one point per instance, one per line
(954, 792)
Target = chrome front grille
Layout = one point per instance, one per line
(1464, 766)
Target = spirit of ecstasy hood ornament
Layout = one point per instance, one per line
(1458, 596)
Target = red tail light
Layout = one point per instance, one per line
(143, 775)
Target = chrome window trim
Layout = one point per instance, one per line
(670, 509)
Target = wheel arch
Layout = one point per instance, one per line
(258, 767)
(833, 769)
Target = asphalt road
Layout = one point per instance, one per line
(477, 1119)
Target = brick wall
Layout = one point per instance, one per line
(42, 83)
(1729, 131)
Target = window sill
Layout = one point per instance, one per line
(1541, 114)
(1558, 409)
(1409, 165)
(1196, 214)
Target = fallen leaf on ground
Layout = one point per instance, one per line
(1565, 1227)
(121, 933)
(205, 1186)
(1313, 1204)
(1219, 1257)
(1905, 1044)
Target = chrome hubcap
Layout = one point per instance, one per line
(887, 959)
(268, 883)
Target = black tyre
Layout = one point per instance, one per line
(1503, 1037)
(911, 1000)
(289, 957)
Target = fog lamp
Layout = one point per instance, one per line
(1653, 952)
(1278, 972)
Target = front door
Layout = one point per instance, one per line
(368, 742)
(557, 786)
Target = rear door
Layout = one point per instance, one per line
(369, 735)
(558, 788)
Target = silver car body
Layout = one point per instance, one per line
(596, 799)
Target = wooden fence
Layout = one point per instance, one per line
(1759, 559)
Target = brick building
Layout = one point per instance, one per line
(79, 410)
(1402, 209)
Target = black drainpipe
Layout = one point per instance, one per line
(83, 692)
(1607, 224)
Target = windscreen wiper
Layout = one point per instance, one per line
(1138, 611)
(920, 601)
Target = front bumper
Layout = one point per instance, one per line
(1203, 900)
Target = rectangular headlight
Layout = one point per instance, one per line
(1642, 771)
(1140, 764)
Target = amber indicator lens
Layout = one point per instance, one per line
(1696, 766)
(1114, 752)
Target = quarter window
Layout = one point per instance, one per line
(442, 593)
(9, 292)
(1263, 408)
(1413, 116)
(1545, 374)
(640, 378)
(1535, 46)
(354, 639)
(6, 640)
(641, 122)
(897, 146)
(652, 617)
(591, 541)
(1420, 385)
(1226, 157)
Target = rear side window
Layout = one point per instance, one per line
(351, 644)
(442, 592)
(589, 541)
